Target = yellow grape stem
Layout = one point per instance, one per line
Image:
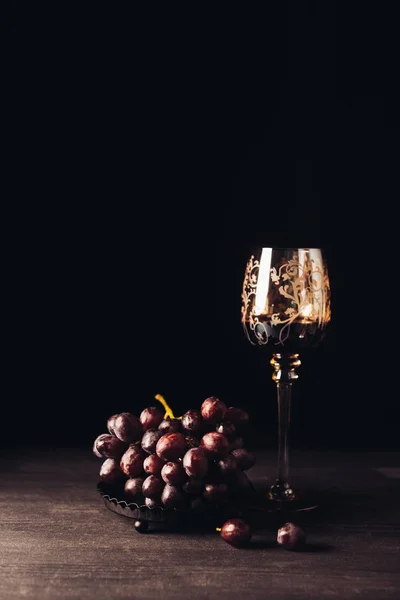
(168, 410)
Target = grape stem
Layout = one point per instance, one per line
(168, 410)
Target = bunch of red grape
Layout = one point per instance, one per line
(190, 462)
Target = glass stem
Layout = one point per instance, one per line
(284, 391)
(285, 366)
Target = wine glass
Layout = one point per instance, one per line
(285, 309)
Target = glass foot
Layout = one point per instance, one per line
(286, 501)
(299, 503)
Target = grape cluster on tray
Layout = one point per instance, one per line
(194, 461)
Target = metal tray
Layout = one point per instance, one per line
(163, 518)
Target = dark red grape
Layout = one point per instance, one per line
(151, 502)
(111, 423)
(171, 446)
(141, 526)
(245, 460)
(133, 487)
(213, 410)
(127, 427)
(152, 487)
(132, 461)
(150, 439)
(237, 416)
(170, 425)
(225, 467)
(291, 537)
(227, 429)
(153, 464)
(96, 442)
(193, 487)
(110, 471)
(150, 418)
(215, 444)
(216, 492)
(172, 497)
(192, 421)
(195, 463)
(236, 532)
(172, 473)
(109, 446)
(235, 443)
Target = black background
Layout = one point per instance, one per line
(146, 151)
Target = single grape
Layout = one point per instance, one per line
(192, 421)
(110, 471)
(216, 492)
(236, 443)
(236, 532)
(133, 487)
(226, 467)
(195, 463)
(245, 460)
(141, 526)
(111, 423)
(173, 473)
(227, 429)
(152, 487)
(153, 464)
(127, 427)
(237, 416)
(213, 410)
(171, 446)
(172, 497)
(109, 446)
(215, 444)
(151, 502)
(132, 461)
(150, 418)
(170, 425)
(150, 439)
(194, 487)
(291, 537)
(96, 442)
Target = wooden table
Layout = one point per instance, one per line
(59, 541)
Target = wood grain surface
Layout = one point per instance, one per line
(58, 540)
